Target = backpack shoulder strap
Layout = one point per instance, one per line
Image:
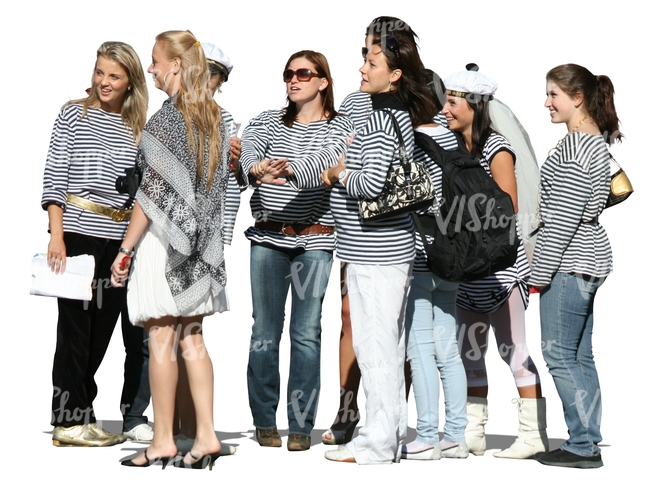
(431, 148)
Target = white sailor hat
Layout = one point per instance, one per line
(217, 58)
(470, 82)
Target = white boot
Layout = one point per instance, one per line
(532, 430)
(477, 415)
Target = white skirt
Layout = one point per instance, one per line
(149, 296)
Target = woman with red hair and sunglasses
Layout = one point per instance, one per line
(292, 242)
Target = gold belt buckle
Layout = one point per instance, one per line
(118, 215)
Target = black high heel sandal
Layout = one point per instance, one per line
(342, 436)
(200, 462)
(164, 460)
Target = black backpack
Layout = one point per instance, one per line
(474, 234)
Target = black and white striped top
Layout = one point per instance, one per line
(373, 150)
(307, 146)
(488, 294)
(447, 140)
(358, 106)
(85, 157)
(574, 189)
(233, 197)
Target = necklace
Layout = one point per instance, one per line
(586, 118)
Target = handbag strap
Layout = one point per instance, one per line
(402, 147)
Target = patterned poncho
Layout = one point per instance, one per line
(190, 215)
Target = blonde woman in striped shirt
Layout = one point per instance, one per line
(94, 140)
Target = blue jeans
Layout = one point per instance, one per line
(273, 270)
(431, 347)
(566, 316)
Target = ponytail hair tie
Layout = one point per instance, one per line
(197, 43)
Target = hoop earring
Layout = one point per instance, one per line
(165, 79)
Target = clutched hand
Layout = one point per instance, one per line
(271, 170)
(330, 176)
(120, 269)
(56, 254)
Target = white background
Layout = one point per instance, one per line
(49, 53)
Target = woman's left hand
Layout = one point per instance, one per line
(120, 269)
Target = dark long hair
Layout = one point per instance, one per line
(327, 94)
(437, 90)
(401, 52)
(385, 25)
(481, 123)
(598, 96)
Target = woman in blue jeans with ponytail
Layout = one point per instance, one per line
(572, 255)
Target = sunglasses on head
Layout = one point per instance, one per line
(389, 41)
(302, 74)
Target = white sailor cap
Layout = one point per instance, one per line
(217, 58)
(470, 82)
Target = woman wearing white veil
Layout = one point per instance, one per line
(498, 301)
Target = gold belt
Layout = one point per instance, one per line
(115, 214)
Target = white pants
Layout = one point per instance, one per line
(377, 305)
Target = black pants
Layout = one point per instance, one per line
(84, 331)
(136, 393)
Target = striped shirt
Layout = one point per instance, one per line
(488, 294)
(308, 147)
(232, 192)
(372, 152)
(574, 189)
(358, 106)
(447, 140)
(85, 157)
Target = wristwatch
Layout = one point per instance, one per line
(127, 252)
(342, 175)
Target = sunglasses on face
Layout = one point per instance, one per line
(302, 74)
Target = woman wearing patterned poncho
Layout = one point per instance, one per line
(177, 231)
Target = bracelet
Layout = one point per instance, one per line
(127, 252)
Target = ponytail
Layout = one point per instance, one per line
(604, 111)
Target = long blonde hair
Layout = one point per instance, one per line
(193, 99)
(136, 100)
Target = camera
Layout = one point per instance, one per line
(130, 182)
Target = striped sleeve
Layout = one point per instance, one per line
(307, 169)
(378, 155)
(233, 197)
(55, 179)
(254, 141)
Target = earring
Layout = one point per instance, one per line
(390, 85)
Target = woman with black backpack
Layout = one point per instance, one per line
(499, 300)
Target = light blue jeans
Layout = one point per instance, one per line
(567, 319)
(273, 270)
(431, 348)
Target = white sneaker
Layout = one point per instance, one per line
(141, 432)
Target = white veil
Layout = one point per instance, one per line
(526, 170)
